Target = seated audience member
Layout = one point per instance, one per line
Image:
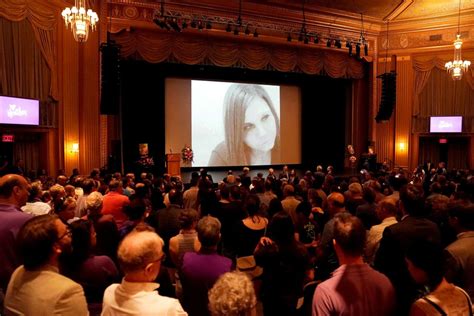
(13, 195)
(354, 288)
(94, 273)
(201, 270)
(232, 295)
(36, 287)
(140, 255)
(386, 212)
(426, 263)
(185, 241)
(285, 264)
(460, 254)
(397, 238)
(35, 206)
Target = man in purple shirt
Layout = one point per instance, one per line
(202, 269)
(354, 288)
(13, 195)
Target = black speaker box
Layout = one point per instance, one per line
(389, 96)
(110, 79)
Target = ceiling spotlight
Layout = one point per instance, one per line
(247, 30)
(200, 26)
(255, 33)
(236, 30)
(193, 24)
(328, 43)
(289, 37)
(228, 28)
(306, 40)
(366, 49)
(350, 50)
(208, 25)
(337, 43)
(358, 50)
(348, 44)
(316, 39)
(184, 25)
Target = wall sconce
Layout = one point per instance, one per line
(75, 148)
(402, 146)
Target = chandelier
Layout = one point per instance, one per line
(457, 67)
(80, 20)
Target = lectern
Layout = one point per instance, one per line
(173, 164)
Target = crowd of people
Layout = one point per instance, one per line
(391, 243)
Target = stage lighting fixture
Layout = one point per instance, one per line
(208, 25)
(316, 40)
(300, 37)
(193, 24)
(255, 33)
(350, 50)
(228, 28)
(236, 30)
(247, 30)
(358, 50)
(366, 50)
(306, 40)
(184, 25)
(348, 44)
(289, 38)
(174, 24)
(328, 43)
(337, 43)
(200, 26)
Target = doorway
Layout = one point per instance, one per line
(452, 150)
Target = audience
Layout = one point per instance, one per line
(36, 287)
(114, 202)
(140, 255)
(201, 270)
(354, 288)
(232, 295)
(35, 206)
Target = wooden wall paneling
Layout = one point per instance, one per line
(403, 110)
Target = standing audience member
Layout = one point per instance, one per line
(461, 252)
(354, 288)
(232, 295)
(190, 196)
(290, 202)
(285, 264)
(201, 270)
(367, 211)
(140, 255)
(37, 288)
(386, 212)
(35, 206)
(426, 265)
(115, 201)
(88, 185)
(390, 258)
(13, 195)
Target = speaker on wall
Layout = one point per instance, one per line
(110, 78)
(389, 96)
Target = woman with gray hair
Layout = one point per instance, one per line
(232, 295)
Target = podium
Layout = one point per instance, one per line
(173, 164)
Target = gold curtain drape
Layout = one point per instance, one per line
(23, 70)
(43, 16)
(156, 47)
(436, 94)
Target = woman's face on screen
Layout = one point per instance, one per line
(259, 126)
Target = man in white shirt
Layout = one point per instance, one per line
(386, 212)
(140, 255)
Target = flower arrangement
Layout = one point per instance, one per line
(146, 161)
(187, 154)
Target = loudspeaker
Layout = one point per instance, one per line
(389, 96)
(110, 78)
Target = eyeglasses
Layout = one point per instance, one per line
(67, 233)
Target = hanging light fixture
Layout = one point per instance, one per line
(457, 67)
(80, 19)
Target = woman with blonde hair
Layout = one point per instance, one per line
(251, 126)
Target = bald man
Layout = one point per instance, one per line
(326, 255)
(140, 255)
(14, 192)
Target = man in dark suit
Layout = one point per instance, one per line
(390, 258)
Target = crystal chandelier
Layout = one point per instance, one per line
(80, 20)
(457, 67)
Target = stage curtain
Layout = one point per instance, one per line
(156, 47)
(436, 94)
(23, 70)
(43, 16)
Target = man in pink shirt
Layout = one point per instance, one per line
(115, 201)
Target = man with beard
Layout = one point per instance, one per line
(36, 287)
